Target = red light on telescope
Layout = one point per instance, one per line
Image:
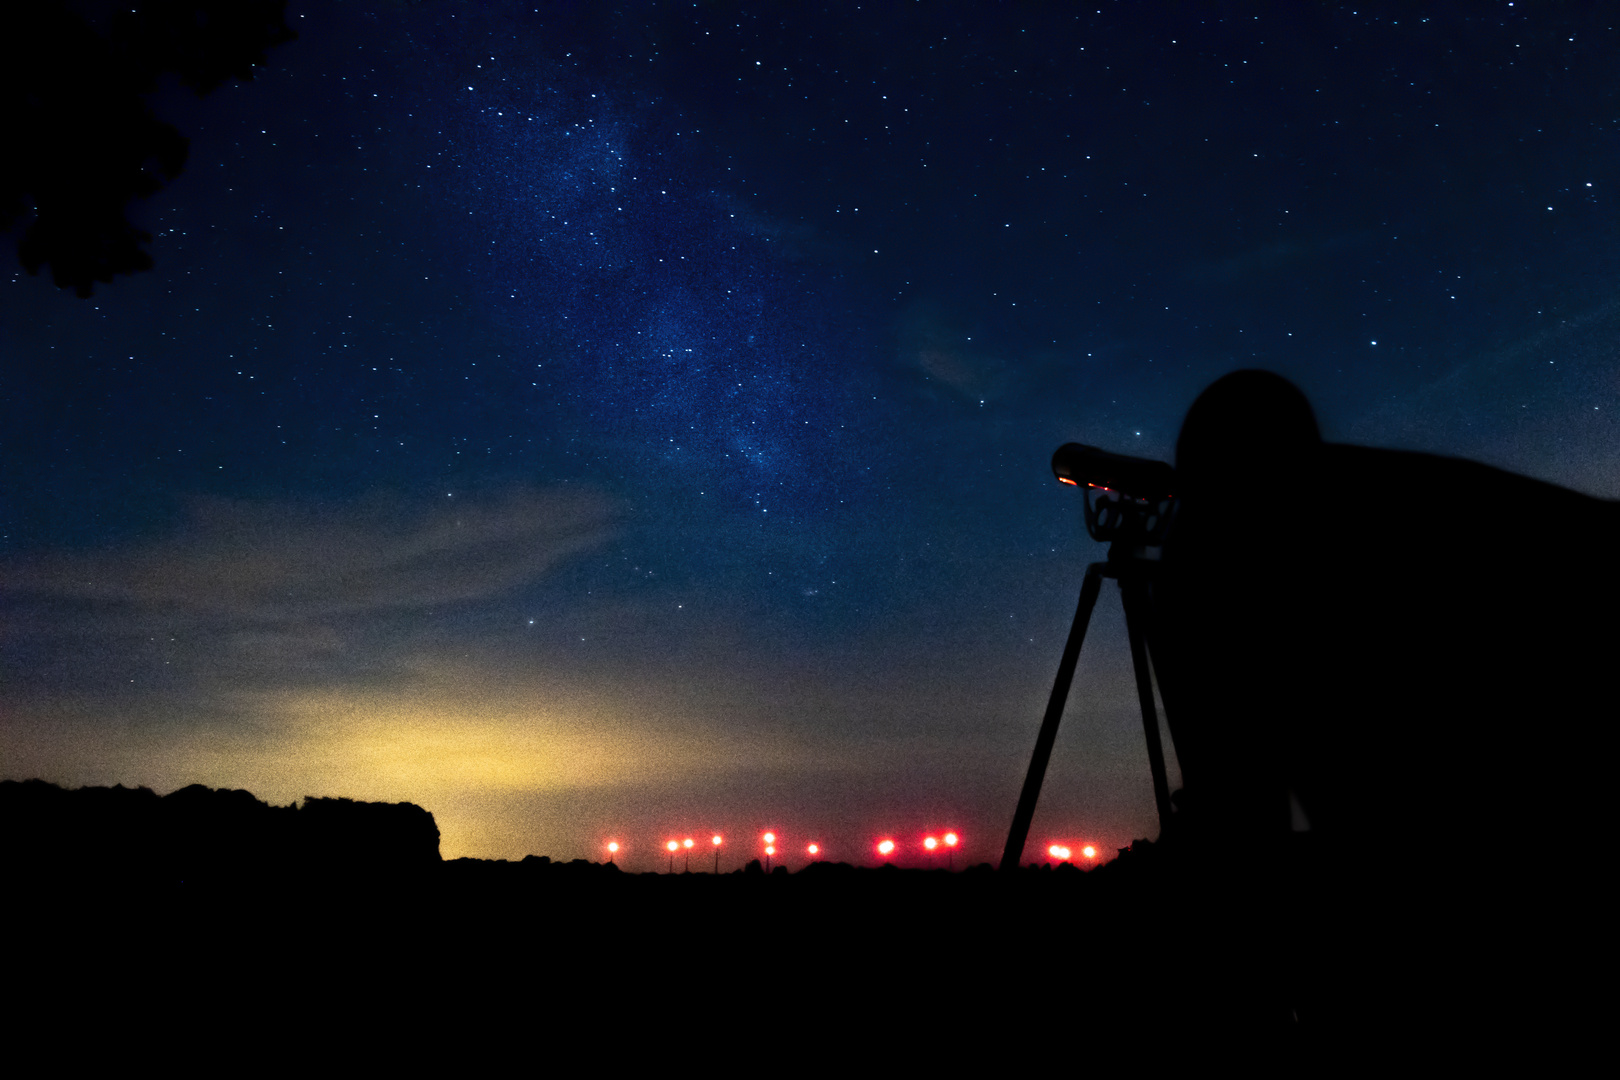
(886, 847)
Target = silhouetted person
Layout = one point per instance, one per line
(1419, 649)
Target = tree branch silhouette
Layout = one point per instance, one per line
(84, 141)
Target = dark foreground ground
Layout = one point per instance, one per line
(1143, 959)
(207, 929)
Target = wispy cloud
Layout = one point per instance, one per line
(280, 594)
(273, 563)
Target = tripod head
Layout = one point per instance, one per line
(1127, 498)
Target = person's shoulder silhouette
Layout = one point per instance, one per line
(1394, 636)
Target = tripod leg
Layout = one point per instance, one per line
(1130, 591)
(1014, 851)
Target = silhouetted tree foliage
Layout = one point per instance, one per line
(203, 835)
(81, 140)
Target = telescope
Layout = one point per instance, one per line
(1129, 503)
(1127, 498)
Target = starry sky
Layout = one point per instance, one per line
(625, 422)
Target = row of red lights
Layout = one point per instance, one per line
(885, 847)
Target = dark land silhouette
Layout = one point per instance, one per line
(243, 917)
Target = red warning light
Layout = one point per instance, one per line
(950, 839)
(1058, 851)
(886, 847)
(930, 843)
(814, 849)
(1089, 852)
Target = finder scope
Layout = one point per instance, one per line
(1127, 498)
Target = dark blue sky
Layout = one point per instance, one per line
(582, 421)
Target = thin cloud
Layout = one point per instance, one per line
(287, 563)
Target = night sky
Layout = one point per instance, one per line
(636, 422)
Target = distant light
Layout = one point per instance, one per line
(770, 838)
(687, 842)
(886, 847)
(930, 843)
(814, 849)
(1058, 851)
(1089, 852)
(950, 839)
(673, 846)
(770, 849)
(613, 845)
(1066, 480)
(716, 840)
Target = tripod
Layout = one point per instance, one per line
(1133, 572)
